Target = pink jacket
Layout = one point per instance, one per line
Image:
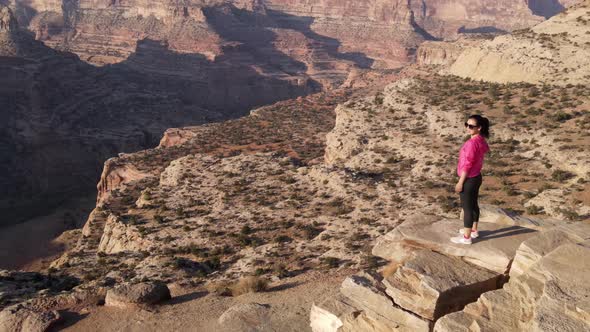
(471, 156)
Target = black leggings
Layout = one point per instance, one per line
(469, 197)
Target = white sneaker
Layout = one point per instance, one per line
(474, 234)
(460, 240)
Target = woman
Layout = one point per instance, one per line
(469, 170)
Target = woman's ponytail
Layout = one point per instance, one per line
(484, 123)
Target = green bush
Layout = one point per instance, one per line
(561, 175)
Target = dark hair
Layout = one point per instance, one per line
(484, 123)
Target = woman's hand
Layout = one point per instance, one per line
(459, 187)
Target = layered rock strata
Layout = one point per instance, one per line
(371, 33)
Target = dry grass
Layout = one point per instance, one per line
(249, 284)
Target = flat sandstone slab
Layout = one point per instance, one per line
(494, 250)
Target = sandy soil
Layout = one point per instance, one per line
(33, 244)
(196, 310)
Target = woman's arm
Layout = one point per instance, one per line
(469, 160)
(459, 186)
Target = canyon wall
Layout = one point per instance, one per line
(63, 117)
(373, 33)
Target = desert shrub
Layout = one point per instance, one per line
(369, 261)
(221, 288)
(561, 175)
(561, 116)
(569, 214)
(378, 99)
(534, 209)
(283, 239)
(280, 270)
(159, 219)
(251, 284)
(509, 190)
(330, 262)
(246, 229)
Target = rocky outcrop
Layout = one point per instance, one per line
(550, 52)
(39, 314)
(546, 292)
(119, 236)
(8, 27)
(175, 137)
(115, 175)
(130, 295)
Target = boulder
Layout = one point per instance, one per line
(367, 294)
(18, 318)
(145, 293)
(494, 250)
(247, 317)
(433, 285)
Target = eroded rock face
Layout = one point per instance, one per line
(64, 118)
(441, 53)
(448, 17)
(371, 33)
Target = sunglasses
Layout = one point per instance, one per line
(467, 125)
